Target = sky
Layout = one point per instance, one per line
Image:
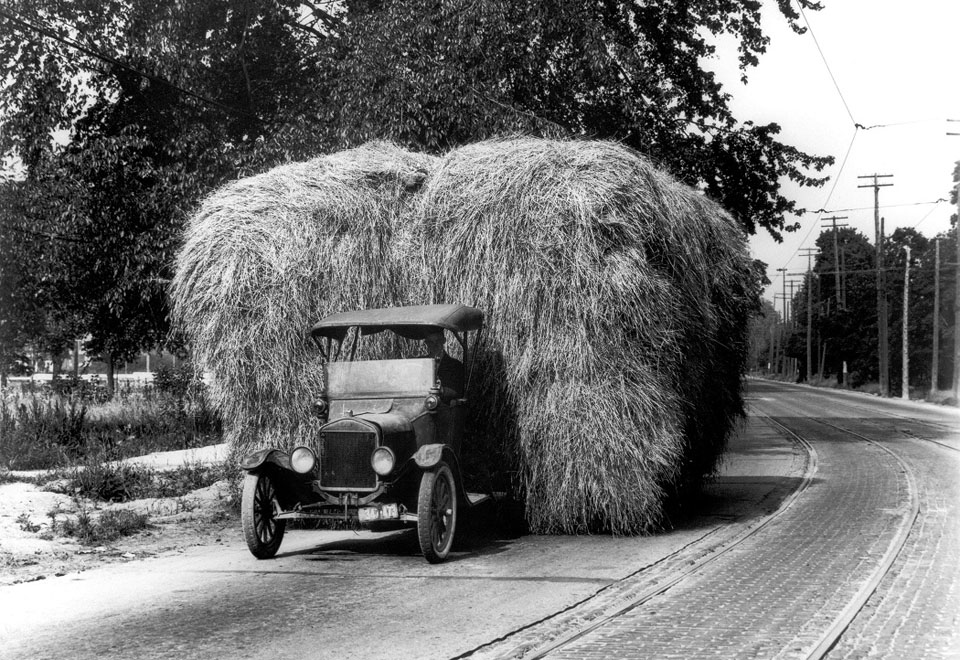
(894, 63)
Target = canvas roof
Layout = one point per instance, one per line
(410, 321)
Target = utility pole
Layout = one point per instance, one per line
(781, 341)
(793, 310)
(836, 256)
(956, 300)
(935, 366)
(810, 252)
(956, 309)
(881, 297)
(905, 387)
(783, 276)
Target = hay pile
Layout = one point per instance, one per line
(616, 302)
(266, 256)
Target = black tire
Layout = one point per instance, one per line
(261, 530)
(437, 513)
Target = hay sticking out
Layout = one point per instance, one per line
(267, 256)
(606, 286)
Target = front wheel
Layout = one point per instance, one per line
(437, 513)
(261, 530)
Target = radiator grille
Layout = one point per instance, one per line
(345, 459)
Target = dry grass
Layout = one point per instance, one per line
(616, 302)
(267, 256)
(616, 306)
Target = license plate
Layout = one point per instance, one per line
(384, 512)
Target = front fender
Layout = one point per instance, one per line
(429, 455)
(257, 460)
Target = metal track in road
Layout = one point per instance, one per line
(912, 420)
(844, 400)
(833, 633)
(816, 650)
(600, 614)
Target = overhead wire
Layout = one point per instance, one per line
(827, 65)
(882, 206)
(857, 126)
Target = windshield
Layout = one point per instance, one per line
(380, 378)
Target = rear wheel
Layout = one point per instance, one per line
(437, 513)
(261, 530)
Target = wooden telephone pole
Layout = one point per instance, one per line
(882, 340)
(809, 275)
(935, 365)
(836, 258)
(956, 300)
(905, 387)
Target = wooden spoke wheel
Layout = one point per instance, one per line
(261, 530)
(437, 513)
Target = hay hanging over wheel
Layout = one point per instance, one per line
(266, 256)
(616, 302)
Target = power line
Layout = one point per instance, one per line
(896, 123)
(26, 26)
(833, 188)
(823, 57)
(883, 206)
(928, 214)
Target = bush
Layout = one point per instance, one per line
(40, 432)
(180, 381)
(121, 482)
(46, 430)
(108, 526)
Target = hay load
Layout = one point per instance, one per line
(265, 256)
(617, 303)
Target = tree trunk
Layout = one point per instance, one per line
(57, 364)
(110, 375)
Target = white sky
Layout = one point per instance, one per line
(894, 61)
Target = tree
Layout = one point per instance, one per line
(435, 75)
(763, 328)
(132, 88)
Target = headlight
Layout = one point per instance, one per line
(303, 460)
(432, 401)
(320, 408)
(383, 461)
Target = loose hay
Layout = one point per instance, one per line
(266, 256)
(616, 301)
(616, 304)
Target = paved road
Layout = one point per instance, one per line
(800, 524)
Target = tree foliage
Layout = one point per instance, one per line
(844, 326)
(434, 75)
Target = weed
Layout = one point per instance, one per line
(121, 482)
(111, 482)
(26, 524)
(89, 529)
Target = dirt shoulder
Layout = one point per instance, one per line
(33, 514)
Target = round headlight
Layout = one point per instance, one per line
(303, 460)
(432, 401)
(383, 461)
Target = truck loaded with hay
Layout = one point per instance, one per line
(616, 303)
